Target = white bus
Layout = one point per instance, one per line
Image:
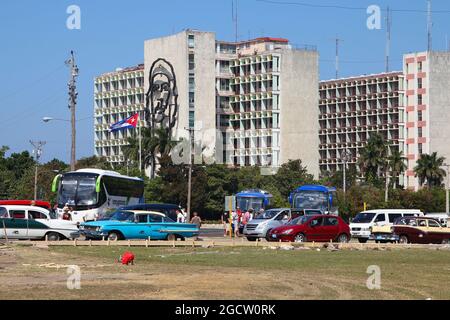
(92, 192)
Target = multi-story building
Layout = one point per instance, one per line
(260, 94)
(117, 95)
(350, 109)
(427, 101)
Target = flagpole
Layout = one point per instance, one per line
(140, 148)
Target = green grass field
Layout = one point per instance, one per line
(228, 273)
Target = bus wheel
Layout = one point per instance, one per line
(113, 236)
(53, 236)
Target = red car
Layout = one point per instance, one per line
(319, 228)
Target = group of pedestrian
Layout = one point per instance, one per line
(182, 217)
(238, 219)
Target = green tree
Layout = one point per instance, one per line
(428, 169)
(373, 158)
(397, 165)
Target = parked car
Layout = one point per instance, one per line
(420, 230)
(313, 228)
(32, 222)
(170, 210)
(263, 223)
(137, 224)
(360, 226)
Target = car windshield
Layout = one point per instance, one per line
(363, 217)
(311, 200)
(299, 220)
(269, 214)
(122, 216)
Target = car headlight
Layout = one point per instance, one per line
(288, 231)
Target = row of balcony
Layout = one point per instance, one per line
(251, 60)
(106, 126)
(366, 96)
(120, 76)
(370, 127)
(119, 109)
(119, 93)
(350, 144)
(375, 111)
(252, 78)
(252, 133)
(253, 152)
(111, 142)
(251, 115)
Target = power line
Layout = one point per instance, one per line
(333, 6)
(39, 80)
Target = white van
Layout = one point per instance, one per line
(31, 222)
(361, 224)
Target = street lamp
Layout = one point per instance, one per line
(72, 157)
(345, 157)
(447, 187)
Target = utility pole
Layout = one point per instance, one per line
(447, 187)
(37, 151)
(191, 148)
(72, 105)
(337, 40)
(429, 26)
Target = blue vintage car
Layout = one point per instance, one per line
(138, 224)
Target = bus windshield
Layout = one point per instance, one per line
(311, 200)
(78, 190)
(245, 203)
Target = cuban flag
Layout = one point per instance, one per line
(127, 123)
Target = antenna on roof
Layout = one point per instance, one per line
(388, 37)
(234, 17)
(337, 55)
(429, 25)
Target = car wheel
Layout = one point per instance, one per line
(362, 240)
(300, 238)
(343, 238)
(251, 238)
(403, 239)
(113, 236)
(53, 236)
(268, 235)
(171, 237)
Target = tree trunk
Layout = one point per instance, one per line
(386, 190)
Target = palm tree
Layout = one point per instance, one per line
(372, 158)
(396, 164)
(155, 143)
(428, 169)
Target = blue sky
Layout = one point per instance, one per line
(35, 43)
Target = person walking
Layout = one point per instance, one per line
(197, 221)
(235, 219)
(226, 222)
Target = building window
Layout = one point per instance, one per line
(420, 148)
(191, 99)
(191, 62)
(191, 41)
(419, 116)
(419, 66)
(419, 132)
(419, 99)
(191, 84)
(419, 83)
(191, 119)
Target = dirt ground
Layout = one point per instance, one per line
(41, 273)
